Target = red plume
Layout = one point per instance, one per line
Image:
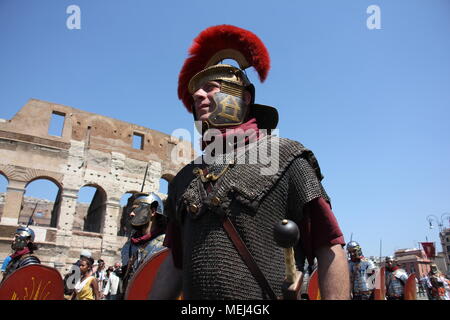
(211, 41)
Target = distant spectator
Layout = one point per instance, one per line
(69, 282)
(111, 290)
(100, 274)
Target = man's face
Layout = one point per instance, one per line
(18, 242)
(353, 254)
(203, 98)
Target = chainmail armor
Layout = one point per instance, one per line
(212, 267)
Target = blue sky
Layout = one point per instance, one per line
(373, 105)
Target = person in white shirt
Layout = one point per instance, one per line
(111, 290)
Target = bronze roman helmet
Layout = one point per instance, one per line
(209, 48)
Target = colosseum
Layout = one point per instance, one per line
(90, 150)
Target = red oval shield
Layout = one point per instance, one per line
(142, 281)
(410, 288)
(313, 286)
(33, 282)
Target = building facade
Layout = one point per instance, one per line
(444, 236)
(413, 261)
(90, 150)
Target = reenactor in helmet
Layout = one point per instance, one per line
(24, 247)
(438, 284)
(149, 223)
(361, 269)
(395, 278)
(222, 208)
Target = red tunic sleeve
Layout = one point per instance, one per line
(318, 228)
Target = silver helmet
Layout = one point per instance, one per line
(354, 249)
(142, 208)
(21, 237)
(150, 199)
(25, 232)
(390, 259)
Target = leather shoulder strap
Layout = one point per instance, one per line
(248, 258)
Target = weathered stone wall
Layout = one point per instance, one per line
(92, 150)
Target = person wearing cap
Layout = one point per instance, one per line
(148, 221)
(222, 207)
(23, 247)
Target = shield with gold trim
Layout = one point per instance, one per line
(33, 282)
(410, 288)
(313, 286)
(141, 283)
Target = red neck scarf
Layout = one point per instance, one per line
(147, 237)
(248, 131)
(20, 253)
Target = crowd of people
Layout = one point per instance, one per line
(95, 281)
(148, 225)
(363, 278)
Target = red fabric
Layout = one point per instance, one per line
(392, 269)
(318, 228)
(147, 237)
(251, 126)
(20, 253)
(429, 249)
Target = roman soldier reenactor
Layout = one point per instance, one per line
(24, 247)
(361, 271)
(223, 206)
(396, 279)
(149, 223)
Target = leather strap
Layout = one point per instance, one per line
(248, 258)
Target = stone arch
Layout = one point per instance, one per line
(90, 216)
(164, 181)
(7, 171)
(4, 181)
(4, 174)
(49, 177)
(38, 206)
(168, 177)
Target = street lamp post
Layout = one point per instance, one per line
(440, 222)
(441, 225)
